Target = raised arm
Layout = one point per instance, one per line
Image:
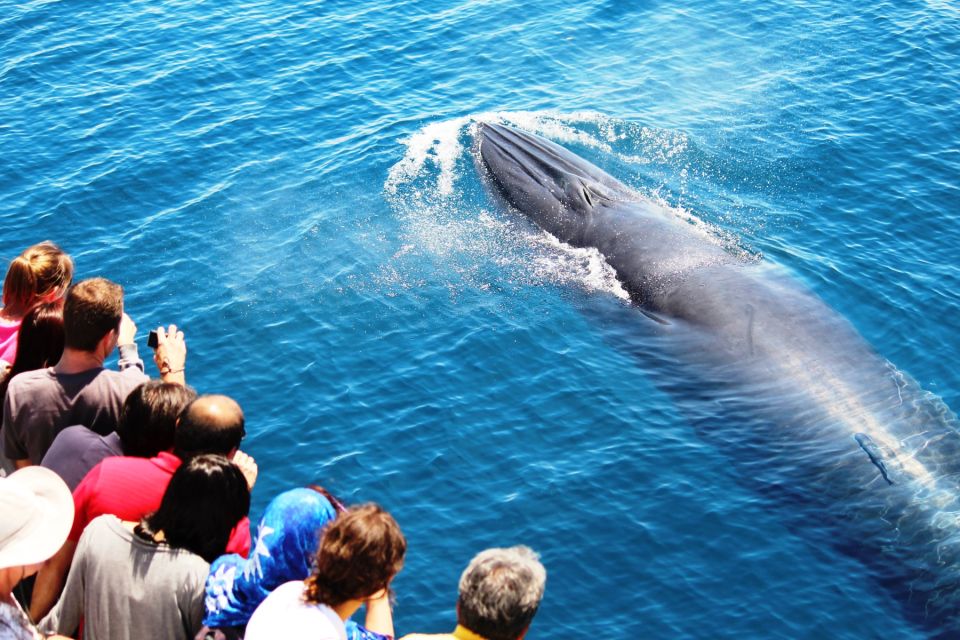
(170, 355)
(127, 346)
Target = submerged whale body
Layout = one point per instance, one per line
(813, 417)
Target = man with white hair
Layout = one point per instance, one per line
(500, 591)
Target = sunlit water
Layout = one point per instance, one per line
(295, 186)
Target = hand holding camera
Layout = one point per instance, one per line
(169, 353)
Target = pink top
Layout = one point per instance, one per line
(8, 339)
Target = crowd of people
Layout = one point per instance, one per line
(124, 501)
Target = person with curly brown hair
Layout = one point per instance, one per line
(359, 554)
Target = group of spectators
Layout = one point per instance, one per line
(128, 498)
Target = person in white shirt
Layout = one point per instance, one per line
(359, 554)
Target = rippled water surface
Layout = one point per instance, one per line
(294, 184)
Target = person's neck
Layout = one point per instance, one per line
(77, 361)
(462, 633)
(347, 609)
(157, 537)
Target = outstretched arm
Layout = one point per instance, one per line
(170, 355)
(127, 346)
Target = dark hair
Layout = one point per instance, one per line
(332, 499)
(39, 341)
(149, 417)
(209, 424)
(41, 270)
(206, 498)
(93, 308)
(360, 552)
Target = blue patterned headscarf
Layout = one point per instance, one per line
(285, 545)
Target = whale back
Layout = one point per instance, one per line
(649, 247)
(854, 451)
(559, 190)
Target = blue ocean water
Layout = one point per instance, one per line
(294, 184)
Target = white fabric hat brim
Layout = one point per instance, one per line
(37, 508)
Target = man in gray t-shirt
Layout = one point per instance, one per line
(78, 390)
(41, 403)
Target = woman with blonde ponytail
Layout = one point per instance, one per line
(41, 273)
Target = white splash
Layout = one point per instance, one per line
(438, 219)
(436, 145)
(561, 263)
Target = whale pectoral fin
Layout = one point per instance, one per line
(656, 318)
(882, 457)
(581, 194)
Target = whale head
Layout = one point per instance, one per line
(558, 190)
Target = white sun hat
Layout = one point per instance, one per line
(36, 514)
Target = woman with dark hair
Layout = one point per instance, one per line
(40, 337)
(145, 580)
(359, 554)
(40, 342)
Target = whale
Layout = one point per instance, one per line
(853, 452)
